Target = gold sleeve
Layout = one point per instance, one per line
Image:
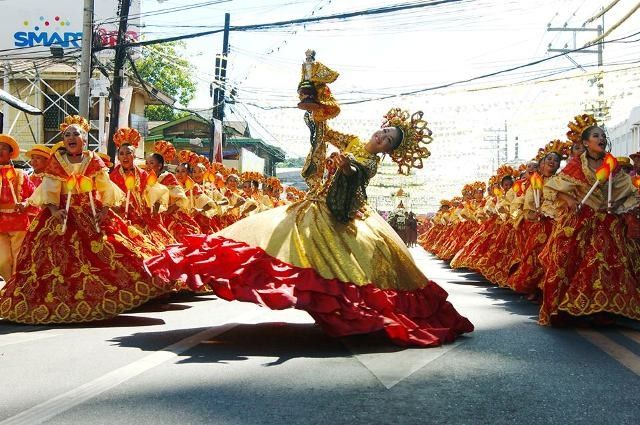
(48, 193)
(337, 139)
(108, 192)
(157, 193)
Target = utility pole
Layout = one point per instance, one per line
(219, 92)
(118, 75)
(495, 137)
(85, 67)
(601, 110)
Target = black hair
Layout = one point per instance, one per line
(586, 133)
(256, 184)
(506, 178)
(158, 158)
(187, 166)
(396, 144)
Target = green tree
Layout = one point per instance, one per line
(165, 67)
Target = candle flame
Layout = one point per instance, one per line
(189, 183)
(602, 173)
(85, 184)
(636, 181)
(152, 179)
(130, 182)
(611, 161)
(10, 174)
(70, 183)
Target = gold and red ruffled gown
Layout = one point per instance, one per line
(591, 265)
(179, 223)
(352, 277)
(525, 271)
(83, 274)
(143, 195)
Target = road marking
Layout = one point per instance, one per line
(633, 335)
(59, 404)
(395, 366)
(19, 338)
(623, 355)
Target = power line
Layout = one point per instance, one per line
(301, 21)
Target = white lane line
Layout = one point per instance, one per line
(11, 339)
(620, 353)
(633, 335)
(59, 404)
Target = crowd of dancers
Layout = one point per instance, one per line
(567, 238)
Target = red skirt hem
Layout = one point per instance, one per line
(237, 271)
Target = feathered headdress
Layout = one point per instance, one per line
(75, 120)
(415, 136)
(127, 136)
(166, 149)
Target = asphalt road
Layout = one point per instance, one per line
(200, 360)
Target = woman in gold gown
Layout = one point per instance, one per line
(329, 254)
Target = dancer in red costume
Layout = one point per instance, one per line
(175, 218)
(330, 254)
(82, 262)
(15, 188)
(526, 271)
(591, 264)
(147, 198)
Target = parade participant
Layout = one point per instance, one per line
(200, 207)
(577, 149)
(38, 158)
(526, 271)
(145, 198)
(15, 188)
(79, 261)
(624, 162)
(106, 159)
(590, 264)
(635, 157)
(330, 254)
(176, 219)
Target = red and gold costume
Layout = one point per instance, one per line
(81, 274)
(13, 224)
(591, 266)
(142, 199)
(329, 254)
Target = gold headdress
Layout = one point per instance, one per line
(188, 156)
(127, 136)
(467, 190)
(481, 186)
(561, 148)
(166, 149)
(579, 125)
(445, 203)
(415, 136)
(75, 120)
(204, 161)
(251, 176)
(273, 183)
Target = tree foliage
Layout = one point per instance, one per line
(165, 67)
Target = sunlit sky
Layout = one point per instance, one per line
(416, 49)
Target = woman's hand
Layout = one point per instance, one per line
(570, 203)
(102, 215)
(20, 207)
(344, 164)
(60, 214)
